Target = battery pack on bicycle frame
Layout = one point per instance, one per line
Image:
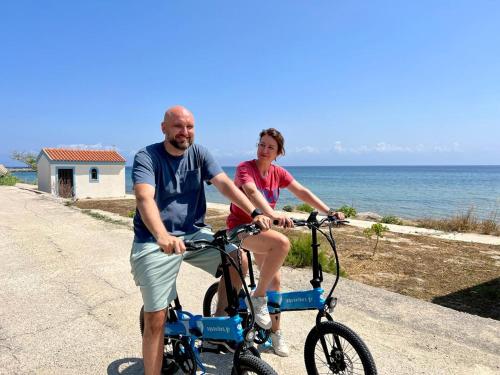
(219, 328)
(302, 300)
(214, 328)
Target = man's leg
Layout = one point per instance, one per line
(152, 341)
(155, 272)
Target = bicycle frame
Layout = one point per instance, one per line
(312, 299)
(182, 325)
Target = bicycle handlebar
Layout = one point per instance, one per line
(305, 222)
(193, 245)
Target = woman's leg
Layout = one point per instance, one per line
(271, 248)
(275, 285)
(278, 341)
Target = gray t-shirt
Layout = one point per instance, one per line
(179, 188)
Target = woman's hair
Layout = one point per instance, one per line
(276, 135)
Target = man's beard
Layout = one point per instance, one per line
(181, 146)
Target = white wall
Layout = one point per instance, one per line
(43, 174)
(111, 181)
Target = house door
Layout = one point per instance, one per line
(65, 182)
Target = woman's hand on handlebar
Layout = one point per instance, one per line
(171, 244)
(283, 221)
(336, 214)
(339, 215)
(263, 222)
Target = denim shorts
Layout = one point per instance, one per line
(155, 272)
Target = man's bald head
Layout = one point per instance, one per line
(178, 127)
(176, 112)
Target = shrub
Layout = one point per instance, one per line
(288, 208)
(348, 211)
(376, 229)
(391, 220)
(8, 180)
(300, 255)
(305, 208)
(131, 213)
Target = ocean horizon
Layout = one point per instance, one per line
(412, 192)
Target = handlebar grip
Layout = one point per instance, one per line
(299, 222)
(193, 246)
(337, 221)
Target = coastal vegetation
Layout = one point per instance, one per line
(300, 254)
(465, 221)
(304, 207)
(378, 230)
(349, 211)
(391, 220)
(28, 158)
(8, 180)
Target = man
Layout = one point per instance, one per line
(168, 183)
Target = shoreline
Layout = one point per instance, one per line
(402, 229)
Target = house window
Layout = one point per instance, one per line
(94, 175)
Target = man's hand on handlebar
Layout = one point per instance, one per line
(171, 245)
(263, 222)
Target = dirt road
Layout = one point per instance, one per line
(68, 305)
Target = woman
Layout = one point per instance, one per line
(261, 181)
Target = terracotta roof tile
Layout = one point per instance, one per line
(63, 154)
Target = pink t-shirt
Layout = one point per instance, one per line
(269, 186)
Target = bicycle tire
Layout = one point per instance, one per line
(249, 364)
(210, 294)
(353, 356)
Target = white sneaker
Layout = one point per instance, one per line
(262, 317)
(279, 344)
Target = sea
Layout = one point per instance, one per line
(411, 192)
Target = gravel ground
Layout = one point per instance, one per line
(68, 305)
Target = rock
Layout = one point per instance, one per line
(3, 170)
(371, 216)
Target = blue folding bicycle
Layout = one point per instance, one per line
(330, 347)
(186, 335)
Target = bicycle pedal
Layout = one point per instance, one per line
(265, 347)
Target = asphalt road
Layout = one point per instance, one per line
(68, 305)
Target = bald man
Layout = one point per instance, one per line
(168, 182)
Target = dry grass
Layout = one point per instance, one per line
(464, 222)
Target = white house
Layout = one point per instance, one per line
(81, 173)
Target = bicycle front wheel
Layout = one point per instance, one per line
(333, 348)
(250, 364)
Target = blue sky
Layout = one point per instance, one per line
(348, 83)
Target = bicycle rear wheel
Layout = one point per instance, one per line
(333, 348)
(210, 300)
